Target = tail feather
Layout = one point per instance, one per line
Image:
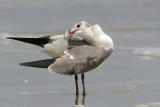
(39, 64)
(36, 41)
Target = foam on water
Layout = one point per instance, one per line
(149, 105)
(147, 52)
(3, 39)
(143, 52)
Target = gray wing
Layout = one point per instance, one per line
(80, 59)
(77, 42)
(42, 40)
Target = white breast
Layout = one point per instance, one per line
(101, 39)
(105, 41)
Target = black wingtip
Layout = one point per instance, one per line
(41, 41)
(9, 37)
(22, 64)
(38, 64)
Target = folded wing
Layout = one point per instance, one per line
(79, 60)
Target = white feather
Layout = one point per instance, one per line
(56, 48)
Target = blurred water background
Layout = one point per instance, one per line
(129, 78)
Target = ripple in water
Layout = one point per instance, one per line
(3, 39)
(149, 105)
(143, 52)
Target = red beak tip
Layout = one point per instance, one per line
(72, 33)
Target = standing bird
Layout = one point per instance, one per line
(80, 50)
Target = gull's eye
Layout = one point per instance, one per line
(78, 26)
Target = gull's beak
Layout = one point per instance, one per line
(72, 33)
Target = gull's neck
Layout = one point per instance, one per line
(99, 38)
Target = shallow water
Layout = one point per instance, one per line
(128, 78)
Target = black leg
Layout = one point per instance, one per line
(76, 81)
(83, 84)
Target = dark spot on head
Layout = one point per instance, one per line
(78, 26)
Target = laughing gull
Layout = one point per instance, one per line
(80, 50)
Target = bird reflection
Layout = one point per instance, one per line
(82, 101)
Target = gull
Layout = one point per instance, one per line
(79, 50)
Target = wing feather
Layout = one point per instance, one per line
(85, 58)
(38, 64)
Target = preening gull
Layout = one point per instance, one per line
(79, 50)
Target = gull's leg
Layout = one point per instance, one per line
(83, 84)
(83, 99)
(76, 81)
(76, 100)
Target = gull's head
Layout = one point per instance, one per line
(92, 34)
(82, 29)
(82, 25)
